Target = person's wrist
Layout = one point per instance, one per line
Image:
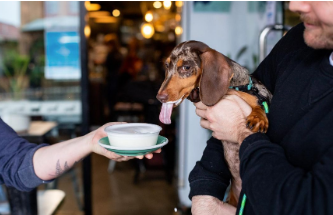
(88, 141)
(244, 134)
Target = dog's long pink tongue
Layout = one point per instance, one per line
(165, 114)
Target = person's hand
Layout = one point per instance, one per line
(207, 205)
(100, 133)
(227, 118)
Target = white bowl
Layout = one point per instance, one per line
(133, 135)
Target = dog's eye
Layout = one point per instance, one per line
(185, 70)
(166, 65)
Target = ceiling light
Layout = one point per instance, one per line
(149, 16)
(98, 14)
(167, 4)
(116, 13)
(178, 17)
(86, 17)
(107, 19)
(91, 7)
(87, 31)
(178, 30)
(87, 4)
(147, 30)
(179, 3)
(160, 28)
(157, 4)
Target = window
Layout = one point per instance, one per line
(51, 8)
(73, 7)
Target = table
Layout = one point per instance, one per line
(37, 131)
(25, 203)
(40, 128)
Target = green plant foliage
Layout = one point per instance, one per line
(36, 71)
(241, 52)
(15, 69)
(15, 64)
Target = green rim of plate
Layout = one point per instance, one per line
(160, 140)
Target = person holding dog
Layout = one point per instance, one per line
(26, 165)
(288, 170)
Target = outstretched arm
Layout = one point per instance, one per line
(51, 161)
(26, 165)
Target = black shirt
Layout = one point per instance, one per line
(289, 170)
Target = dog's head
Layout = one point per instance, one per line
(193, 65)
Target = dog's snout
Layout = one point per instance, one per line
(162, 97)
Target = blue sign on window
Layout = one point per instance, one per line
(62, 55)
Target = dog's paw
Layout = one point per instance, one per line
(257, 121)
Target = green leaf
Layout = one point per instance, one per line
(240, 53)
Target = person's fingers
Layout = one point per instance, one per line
(112, 155)
(201, 113)
(205, 123)
(200, 105)
(125, 158)
(139, 157)
(149, 156)
(236, 100)
(245, 107)
(115, 157)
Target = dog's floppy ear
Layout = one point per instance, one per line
(197, 46)
(216, 73)
(215, 78)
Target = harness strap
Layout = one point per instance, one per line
(249, 88)
(241, 209)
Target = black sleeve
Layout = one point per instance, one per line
(274, 186)
(210, 175)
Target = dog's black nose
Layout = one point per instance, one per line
(162, 97)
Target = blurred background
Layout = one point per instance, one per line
(68, 67)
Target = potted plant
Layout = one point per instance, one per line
(15, 79)
(14, 82)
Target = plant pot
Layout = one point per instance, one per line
(18, 122)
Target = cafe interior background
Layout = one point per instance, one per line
(68, 67)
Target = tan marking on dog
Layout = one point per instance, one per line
(180, 63)
(178, 87)
(250, 99)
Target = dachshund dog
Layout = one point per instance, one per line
(200, 73)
